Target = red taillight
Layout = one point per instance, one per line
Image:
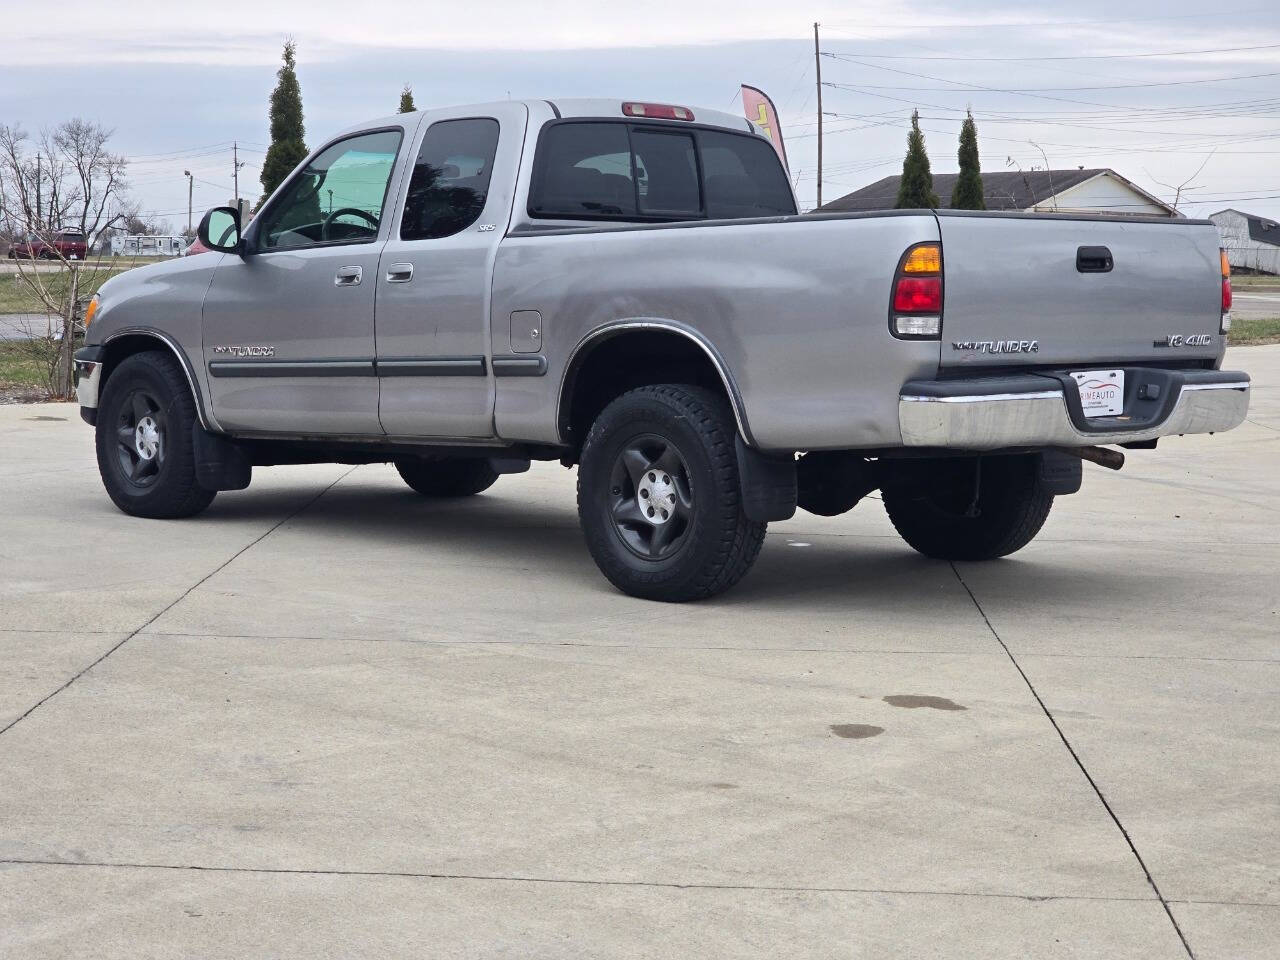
(1226, 290)
(656, 111)
(916, 311)
(918, 295)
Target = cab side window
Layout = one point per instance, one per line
(338, 197)
(450, 181)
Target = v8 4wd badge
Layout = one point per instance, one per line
(1178, 340)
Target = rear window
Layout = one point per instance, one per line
(614, 170)
(743, 177)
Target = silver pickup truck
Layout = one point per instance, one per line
(628, 287)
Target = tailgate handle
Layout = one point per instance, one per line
(1094, 260)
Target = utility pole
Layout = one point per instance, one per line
(817, 66)
(190, 184)
(236, 164)
(39, 180)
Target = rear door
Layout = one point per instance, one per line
(435, 364)
(1047, 290)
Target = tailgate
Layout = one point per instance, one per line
(1024, 290)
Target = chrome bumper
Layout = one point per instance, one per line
(88, 373)
(1040, 418)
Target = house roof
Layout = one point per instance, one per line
(1001, 190)
(1260, 228)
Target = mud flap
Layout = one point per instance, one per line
(1060, 473)
(768, 484)
(220, 464)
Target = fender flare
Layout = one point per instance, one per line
(606, 331)
(183, 362)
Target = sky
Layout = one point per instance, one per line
(1167, 93)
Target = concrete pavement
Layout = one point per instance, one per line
(330, 718)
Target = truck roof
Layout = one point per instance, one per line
(590, 107)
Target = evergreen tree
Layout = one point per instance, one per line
(406, 100)
(915, 191)
(288, 149)
(967, 194)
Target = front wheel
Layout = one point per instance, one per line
(659, 496)
(969, 508)
(144, 439)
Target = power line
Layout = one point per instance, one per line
(904, 25)
(1033, 90)
(1082, 56)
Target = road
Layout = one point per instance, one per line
(1254, 306)
(331, 718)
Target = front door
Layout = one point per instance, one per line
(288, 327)
(434, 358)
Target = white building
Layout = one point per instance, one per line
(146, 246)
(1252, 242)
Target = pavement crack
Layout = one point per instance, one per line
(186, 593)
(567, 881)
(1079, 763)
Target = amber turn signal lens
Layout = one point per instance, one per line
(89, 311)
(925, 258)
(1226, 265)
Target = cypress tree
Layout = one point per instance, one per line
(967, 194)
(288, 149)
(406, 100)
(915, 191)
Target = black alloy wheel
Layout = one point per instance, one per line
(141, 436)
(651, 497)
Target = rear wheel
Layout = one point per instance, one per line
(144, 439)
(659, 496)
(969, 508)
(448, 476)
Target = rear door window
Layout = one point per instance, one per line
(450, 181)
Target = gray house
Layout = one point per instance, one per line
(1098, 190)
(1252, 242)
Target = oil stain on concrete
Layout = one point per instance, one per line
(913, 702)
(855, 731)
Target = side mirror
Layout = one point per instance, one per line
(220, 230)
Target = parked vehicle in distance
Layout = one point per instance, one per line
(628, 287)
(65, 244)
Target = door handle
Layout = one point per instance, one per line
(348, 276)
(1094, 260)
(400, 273)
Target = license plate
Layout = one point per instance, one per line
(1101, 392)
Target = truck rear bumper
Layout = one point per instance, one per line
(1043, 409)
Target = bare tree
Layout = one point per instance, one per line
(66, 180)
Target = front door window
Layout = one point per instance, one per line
(338, 198)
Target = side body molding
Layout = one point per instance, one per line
(604, 332)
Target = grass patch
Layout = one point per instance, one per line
(21, 366)
(1253, 331)
(16, 295)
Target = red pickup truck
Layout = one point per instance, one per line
(67, 244)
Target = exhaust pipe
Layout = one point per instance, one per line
(1102, 456)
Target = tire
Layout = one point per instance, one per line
(448, 476)
(144, 439)
(930, 511)
(659, 498)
